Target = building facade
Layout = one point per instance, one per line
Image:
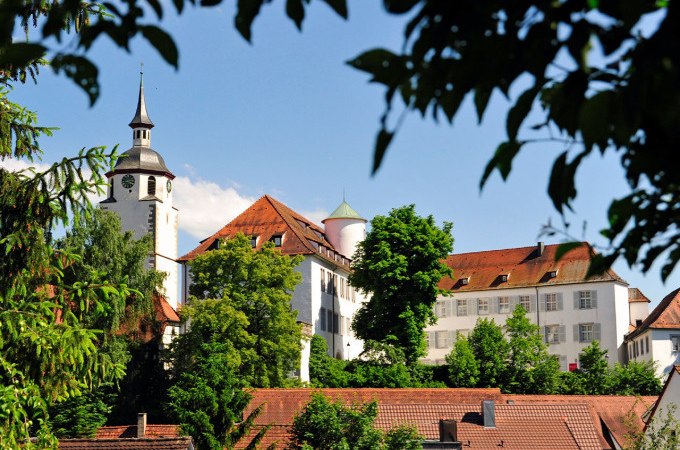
(571, 310)
(324, 300)
(657, 337)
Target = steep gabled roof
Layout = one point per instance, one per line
(268, 217)
(180, 443)
(152, 431)
(525, 266)
(635, 295)
(665, 315)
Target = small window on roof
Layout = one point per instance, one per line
(253, 241)
(277, 239)
(504, 277)
(464, 281)
(552, 274)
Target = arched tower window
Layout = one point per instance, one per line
(151, 186)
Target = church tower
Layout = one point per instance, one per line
(140, 192)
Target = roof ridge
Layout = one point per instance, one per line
(533, 247)
(303, 239)
(655, 314)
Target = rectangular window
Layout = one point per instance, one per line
(442, 339)
(551, 302)
(329, 282)
(525, 301)
(322, 319)
(503, 305)
(253, 241)
(277, 239)
(461, 307)
(329, 321)
(585, 332)
(323, 280)
(585, 300)
(552, 334)
(336, 328)
(647, 343)
(675, 343)
(440, 309)
(483, 306)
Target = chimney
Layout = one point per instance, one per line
(141, 425)
(489, 413)
(540, 247)
(448, 431)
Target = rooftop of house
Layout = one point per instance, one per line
(175, 443)
(635, 295)
(556, 421)
(666, 315)
(267, 219)
(151, 431)
(522, 267)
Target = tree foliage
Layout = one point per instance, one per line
(252, 291)
(662, 433)
(491, 351)
(399, 265)
(327, 425)
(462, 364)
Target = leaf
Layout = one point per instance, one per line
(561, 186)
(399, 6)
(382, 141)
(565, 248)
(339, 6)
(502, 160)
(482, 96)
(385, 66)
(158, 9)
(162, 42)
(81, 70)
(520, 110)
(594, 120)
(296, 12)
(20, 54)
(246, 12)
(599, 264)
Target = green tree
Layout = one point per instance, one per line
(531, 369)
(399, 265)
(380, 365)
(81, 416)
(635, 378)
(491, 352)
(462, 364)
(662, 433)
(326, 425)
(324, 370)
(209, 401)
(594, 369)
(258, 285)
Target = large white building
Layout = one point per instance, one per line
(571, 310)
(657, 337)
(324, 300)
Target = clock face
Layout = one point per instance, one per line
(128, 181)
(169, 185)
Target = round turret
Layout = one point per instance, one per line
(345, 228)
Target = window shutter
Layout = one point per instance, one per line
(455, 302)
(532, 304)
(514, 301)
(577, 338)
(593, 296)
(541, 305)
(545, 334)
(493, 305)
(431, 339)
(563, 333)
(472, 307)
(577, 298)
(563, 362)
(596, 332)
(560, 303)
(452, 338)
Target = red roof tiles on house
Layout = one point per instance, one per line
(130, 431)
(183, 443)
(665, 315)
(635, 295)
(268, 217)
(526, 266)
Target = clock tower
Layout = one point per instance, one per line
(140, 192)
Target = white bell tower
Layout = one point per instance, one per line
(140, 192)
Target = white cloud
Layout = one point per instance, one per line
(316, 215)
(205, 207)
(15, 165)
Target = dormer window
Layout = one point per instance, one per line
(503, 277)
(552, 274)
(277, 239)
(465, 281)
(253, 241)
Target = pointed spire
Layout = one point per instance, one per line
(141, 119)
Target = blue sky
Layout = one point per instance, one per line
(286, 116)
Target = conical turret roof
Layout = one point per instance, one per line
(141, 118)
(344, 211)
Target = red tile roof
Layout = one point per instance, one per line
(525, 266)
(665, 315)
(635, 295)
(164, 312)
(585, 415)
(130, 431)
(182, 443)
(268, 217)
